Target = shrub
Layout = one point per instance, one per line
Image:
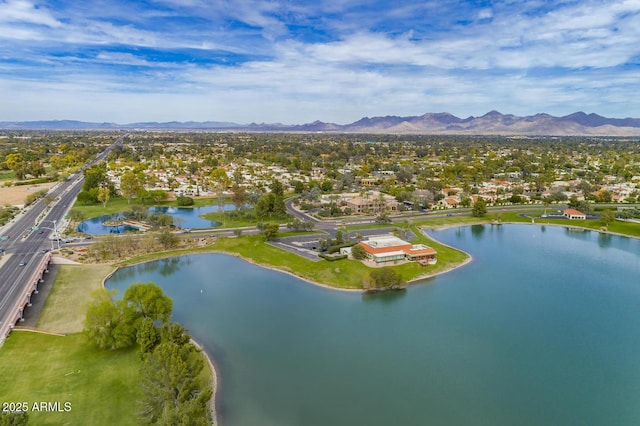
(185, 201)
(332, 258)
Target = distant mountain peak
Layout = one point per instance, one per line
(491, 123)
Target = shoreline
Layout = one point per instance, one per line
(207, 357)
(214, 381)
(214, 376)
(599, 231)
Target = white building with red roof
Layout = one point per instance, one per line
(573, 214)
(389, 248)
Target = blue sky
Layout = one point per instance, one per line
(331, 60)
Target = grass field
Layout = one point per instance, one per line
(626, 228)
(67, 302)
(100, 385)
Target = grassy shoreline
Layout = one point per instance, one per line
(111, 377)
(343, 274)
(99, 387)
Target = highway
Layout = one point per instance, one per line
(25, 247)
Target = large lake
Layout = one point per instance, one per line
(542, 328)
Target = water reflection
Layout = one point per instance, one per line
(477, 231)
(170, 266)
(384, 297)
(604, 240)
(183, 217)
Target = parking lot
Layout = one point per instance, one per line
(306, 245)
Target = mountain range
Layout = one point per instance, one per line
(492, 123)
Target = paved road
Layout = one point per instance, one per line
(24, 246)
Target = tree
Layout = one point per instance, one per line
(171, 391)
(276, 187)
(479, 208)
(358, 252)
(36, 169)
(94, 177)
(264, 206)
(147, 335)
(149, 301)
(221, 200)
(158, 195)
(173, 332)
(298, 187)
(185, 201)
(130, 185)
(220, 178)
(558, 196)
(167, 238)
(13, 160)
(106, 322)
(383, 219)
(271, 231)
(607, 217)
(17, 163)
(385, 278)
(239, 196)
(86, 198)
(103, 196)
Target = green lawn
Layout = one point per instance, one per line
(229, 220)
(627, 228)
(7, 174)
(102, 386)
(67, 303)
(439, 222)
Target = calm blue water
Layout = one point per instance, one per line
(542, 328)
(189, 217)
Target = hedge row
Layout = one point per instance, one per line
(332, 258)
(336, 248)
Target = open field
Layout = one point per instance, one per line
(101, 386)
(17, 195)
(67, 303)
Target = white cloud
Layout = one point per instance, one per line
(22, 11)
(557, 62)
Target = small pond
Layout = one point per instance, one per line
(185, 217)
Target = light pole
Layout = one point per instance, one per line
(55, 233)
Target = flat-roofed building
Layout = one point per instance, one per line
(389, 248)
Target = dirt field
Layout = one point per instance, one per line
(16, 195)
